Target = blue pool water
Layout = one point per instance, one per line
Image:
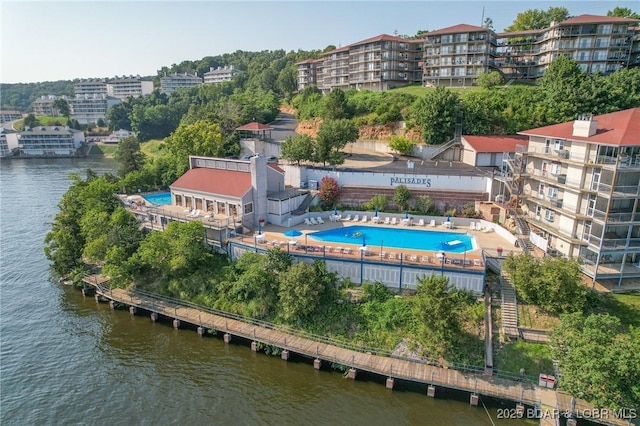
(398, 237)
(159, 199)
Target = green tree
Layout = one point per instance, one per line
(31, 121)
(563, 84)
(329, 191)
(129, 155)
(436, 114)
(62, 106)
(599, 360)
(401, 145)
(533, 19)
(119, 115)
(199, 138)
(489, 80)
(623, 12)
(333, 136)
(553, 284)
(488, 23)
(379, 202)
(298, 148)
(335, 105)
(300, 291)
(401, 197)
(100, 122)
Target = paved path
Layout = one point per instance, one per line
(285, 125)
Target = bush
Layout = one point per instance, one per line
(329, 191)
(379, 202)
(424, 204)
(401, 197)
(401, 145)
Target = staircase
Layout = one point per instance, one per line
(509, 307)
(523, 232)
(442, 148)
(302, 208)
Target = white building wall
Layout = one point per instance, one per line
(484, 159)
(570, 201)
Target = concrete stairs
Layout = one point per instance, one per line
(302, 208)
(442, 148)
(509, 307)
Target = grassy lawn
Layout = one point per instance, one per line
(152, 148)
(624, 306)
(535, 358)
(418, 90)
(530, 316)
(105, 150)
(44, 121)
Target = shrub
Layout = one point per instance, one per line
(424, 204)
(329, 191)
(401, 197)
(379, 202)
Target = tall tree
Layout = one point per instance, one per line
(436, 114)
(199, 138)
(623, 12)
(300, 291)
(333, 135)
(335, 105)
(129, 155)
(533, 19)
(563, 85)
(488, 23)
(31, 121)
(598, 359)
(298, 148)
(62, 106)
(401, 197)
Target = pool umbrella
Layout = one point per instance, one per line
(448, 218)
(406, 214)
(364, 239)
(375, 214)
(292, 233)
(335, 211)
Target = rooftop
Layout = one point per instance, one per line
(215, 181)
(498, 143)
(593, 19)
(460, 28)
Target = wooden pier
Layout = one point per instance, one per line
(323, 349)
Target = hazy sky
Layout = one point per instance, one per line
(56, 40)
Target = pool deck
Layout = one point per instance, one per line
(273, 236)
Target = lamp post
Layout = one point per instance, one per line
(305, 243)
(442, 258)
(464, 261)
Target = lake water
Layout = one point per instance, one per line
(65, 360)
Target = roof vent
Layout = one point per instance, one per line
(584, 126)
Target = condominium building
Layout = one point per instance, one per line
(308, 72)
(44, 105)
(6, 115)
(598, 43)
(580, 192)
(124, 87)
(377, 63)
(220, 74)
(88, 109)
(455, 56)
(47, 141)
(91, 86)
(7, 146)
(173, 82)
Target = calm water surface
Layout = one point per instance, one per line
(66, 360)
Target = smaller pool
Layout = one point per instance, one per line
(159, 198)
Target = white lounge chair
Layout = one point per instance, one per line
(387, 220)
(394, 221)
(319, 220)
(383, 254)
(425, 259)
(477, 262)
(472, 226)
(308, 222)
(413, 258)
(392, 256)
(432, 223)
(356, 218)
(364, 218)
(196, 213)
(487, 229)
(347, 250)
(421, 222)
(347, 218)
(314, 221)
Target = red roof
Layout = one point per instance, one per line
(308, 61)
(460, 28)
(499, 143)
(254, 126)
(276, 167)
(383, 37)
(591, 19)
(620, 128)
(521, 33)
(215, 181)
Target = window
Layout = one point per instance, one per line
(549, 215)
(538, 212)
(248, 208)
(559, 145)
(556, 168)
(552, 192)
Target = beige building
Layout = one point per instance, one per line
(124, 87)
(455, 56)
(220, 74)
(173, 82)
(90, 86)
(581, 192)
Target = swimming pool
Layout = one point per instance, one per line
(398, 238)
(159, 198)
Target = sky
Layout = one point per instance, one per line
(65, 40)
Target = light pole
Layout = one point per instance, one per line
(443, 255)
(464, 261)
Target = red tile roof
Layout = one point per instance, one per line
(254, 126)
(499, 143)
(308, 61)
(460, 28)
(338, 50)
(521, 33)
(215, 181)
(592, 19)
(620, 128)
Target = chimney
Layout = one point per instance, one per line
(585, 126)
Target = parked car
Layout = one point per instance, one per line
(272, 159)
